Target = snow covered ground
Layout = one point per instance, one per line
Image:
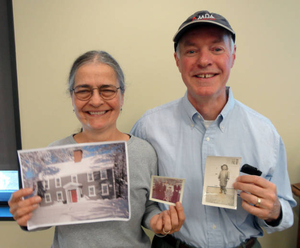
(80, 212)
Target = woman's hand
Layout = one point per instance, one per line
(21, 209)
(168, 221)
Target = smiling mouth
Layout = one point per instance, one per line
(97, 112)
(205, 75)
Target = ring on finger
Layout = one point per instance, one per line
(166, 232)
(258, 202)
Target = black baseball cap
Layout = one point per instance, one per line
(200, 18)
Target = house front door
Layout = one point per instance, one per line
(74, 195)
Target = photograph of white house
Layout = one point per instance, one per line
(77, 183)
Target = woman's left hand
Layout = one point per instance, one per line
(168, 221)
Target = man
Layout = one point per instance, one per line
(208, 121)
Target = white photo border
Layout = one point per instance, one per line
(213, 162)
(180, 181)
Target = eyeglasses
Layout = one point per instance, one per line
(85, 92)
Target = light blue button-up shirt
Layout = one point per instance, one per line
(177, 132)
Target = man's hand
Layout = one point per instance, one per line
(259, 197)
(168, 221)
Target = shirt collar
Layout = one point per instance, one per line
(230, 103)
(188, 107)
(191, 111)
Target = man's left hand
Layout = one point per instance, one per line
(259, 197)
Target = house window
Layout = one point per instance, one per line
(46, 184)
(47, 197)
(92, 191)
(104, 188)
(103, 174)
(90, 177)
(74, 178)
(59, 196)
(57, 182)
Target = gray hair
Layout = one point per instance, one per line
(96, 57)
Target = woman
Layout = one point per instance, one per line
(96, 86)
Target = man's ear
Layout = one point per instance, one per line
(233, 56)
(177, 60)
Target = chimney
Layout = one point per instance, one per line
(77, 156)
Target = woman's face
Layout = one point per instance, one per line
(97, 114)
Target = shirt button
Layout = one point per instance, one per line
(207, 139)
(192, 125)
(199, 116)
(214, 226)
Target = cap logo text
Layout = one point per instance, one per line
(204, 17)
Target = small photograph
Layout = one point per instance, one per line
(166, 190)
(220, 174)
(79, 183)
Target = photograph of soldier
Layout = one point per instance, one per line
(223, 178)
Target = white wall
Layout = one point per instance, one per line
(51, 34)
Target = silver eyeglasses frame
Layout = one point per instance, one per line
(100, 89)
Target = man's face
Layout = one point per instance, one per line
(204, 60)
